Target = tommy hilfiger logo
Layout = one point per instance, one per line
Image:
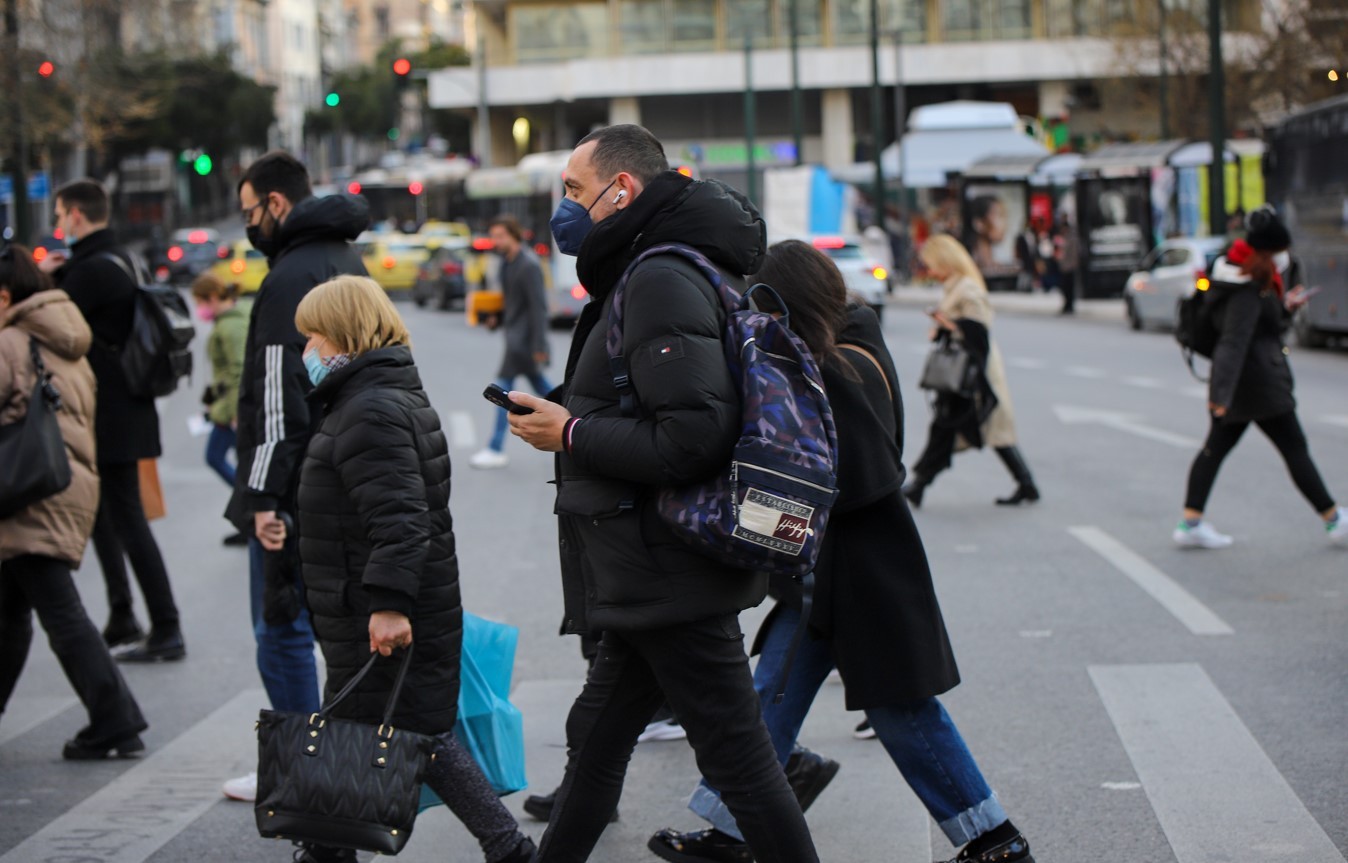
(774, 522)
(666, 350)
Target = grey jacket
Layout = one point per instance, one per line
(526, 315)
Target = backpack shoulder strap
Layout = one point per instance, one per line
(856, 349)
(131, 269)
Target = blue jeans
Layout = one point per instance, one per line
(920, 737)
(540, 385)
(285, 654)
(218, 446)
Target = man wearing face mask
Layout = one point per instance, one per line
(669, 616)
(307, 241)
(98, 277)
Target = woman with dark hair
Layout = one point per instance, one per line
(40, 544)
(875, 614)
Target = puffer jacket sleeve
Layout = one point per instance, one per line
(687, 402)
(1239, 316)
(378, 466)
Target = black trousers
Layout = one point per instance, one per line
(43, 584)
(702, 669)
(122, 532)
(1285, 432)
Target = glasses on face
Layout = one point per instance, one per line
(248, 211)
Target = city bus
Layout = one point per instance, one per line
(1307, 181)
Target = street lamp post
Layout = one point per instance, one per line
(22, 226)
(797, 135)
(900, 115)
(876, 119)
(1164, 81)
(1217, 122)
(483, 143)
(751, 184)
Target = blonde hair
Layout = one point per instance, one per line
(354, 314)
(947, 253)
(209, 285)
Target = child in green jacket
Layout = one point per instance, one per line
(218, 302)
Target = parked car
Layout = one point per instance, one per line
(863, 276)
(239, 262)
(440, 278)
(393, 260)
(1166, 276)
(189, 253)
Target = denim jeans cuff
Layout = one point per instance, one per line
(706, 804)
(974, 821)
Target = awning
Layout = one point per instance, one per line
(1004, 167)
(1128, 159)
(1057, 170)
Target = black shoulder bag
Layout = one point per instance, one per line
(338, 783)
(33, 461)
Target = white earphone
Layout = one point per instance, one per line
(622, 193)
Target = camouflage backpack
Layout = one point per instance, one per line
(768, 508)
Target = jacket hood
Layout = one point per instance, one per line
(382, 367)
(54, 320)
(331, 217)
(716, 220)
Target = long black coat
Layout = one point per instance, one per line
(874, 598)
(376, 535)
(1251, 377)
(622, 568)
(126, 427)
(525, 320)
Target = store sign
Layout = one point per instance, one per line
(735, 154)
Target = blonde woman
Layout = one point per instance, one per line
(965, 315)
(377, 543)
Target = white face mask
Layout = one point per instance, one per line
(1282, 260)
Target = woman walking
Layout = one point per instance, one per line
(875, 613)
(42, 542)
(376, 543)
(1252, 381)
(964, 315)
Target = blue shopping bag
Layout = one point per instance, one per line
(489, 726)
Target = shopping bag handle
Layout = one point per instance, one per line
(360, 675)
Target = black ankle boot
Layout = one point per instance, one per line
(915, 488)
(1026, 491)
(122, 629)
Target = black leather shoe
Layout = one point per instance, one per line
(1023, 494)
(711, 846)
(122, 629)
(539, 806)
(1014, 850)
(88, 750)
(809, 774)
(914, 491)
(156, 648)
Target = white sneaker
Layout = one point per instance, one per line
(244, 788)
(1201, 535)
(1337, 531)
(662, 729)
(488, 459)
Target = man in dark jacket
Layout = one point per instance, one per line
(98, 276)
(307, 240)
(525, 323)
(669, 616)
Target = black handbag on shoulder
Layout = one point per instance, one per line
(949, 370)
(338, 783)
(33, 460)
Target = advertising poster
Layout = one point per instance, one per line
(994, 217)
(1115, 216)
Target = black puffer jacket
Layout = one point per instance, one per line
(622, 569)
(376, 535)
(1251, 377)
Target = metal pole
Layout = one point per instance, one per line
(900, 116)
(797, 135)
(1164, 82)
(483, 143)
(1217, 122)
(751, 185)
(19, 166)
(876, 119)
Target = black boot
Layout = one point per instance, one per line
(122, 629)
(914, 489)
(1026, 491)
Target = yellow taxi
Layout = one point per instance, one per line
(393, 260)
(434, 233)
(242, 264)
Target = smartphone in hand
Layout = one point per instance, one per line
(499, 397)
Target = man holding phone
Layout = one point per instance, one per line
(669, 616)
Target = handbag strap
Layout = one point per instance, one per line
(868, 355)
(50, 394)
(360, 675)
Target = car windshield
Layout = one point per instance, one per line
(847, 252)
(252, 253)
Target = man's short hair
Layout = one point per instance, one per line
(87, 196)
(278, 171)
(627, 147)
(511, 225)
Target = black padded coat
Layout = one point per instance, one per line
(376, 535)
(1251, 377)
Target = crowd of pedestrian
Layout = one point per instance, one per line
(340, 489)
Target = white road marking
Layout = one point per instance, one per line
(1197, 391)
(1336, 420)
(132, 817)
(1143, 383)
(1215, 792)
(1026, 363)
(1036, 633)
(1124, 422)
(1086, 372)
(462, 432)
(1172, 596)
(23, 714)
(1120, 786)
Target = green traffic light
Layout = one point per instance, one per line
(333, 100)
(393, 134)
(202, 165)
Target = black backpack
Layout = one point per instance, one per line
(158, 351)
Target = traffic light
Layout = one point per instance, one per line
(394, 134)
(402, 67)
(46, 68)
(415, 188)
(333, 100)
(202, 165)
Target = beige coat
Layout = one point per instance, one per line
(59, 526)
(963, 297)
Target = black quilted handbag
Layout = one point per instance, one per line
(337, 783)
(949, 370)
(33, 460)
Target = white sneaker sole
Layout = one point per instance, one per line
(1184, 540)
(667, 732)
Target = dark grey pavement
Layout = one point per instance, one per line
(1127, 701)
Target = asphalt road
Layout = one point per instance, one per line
(1128, 701)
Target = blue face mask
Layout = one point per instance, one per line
(313, 364)
(571, 223)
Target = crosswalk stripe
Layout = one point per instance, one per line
(1172, 596)
(1341, 421)
(133, 816)
(1213, 788)
(24, 714)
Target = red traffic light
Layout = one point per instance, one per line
(415, 188)
(402, 67)
(353, 187)
(46, 68)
